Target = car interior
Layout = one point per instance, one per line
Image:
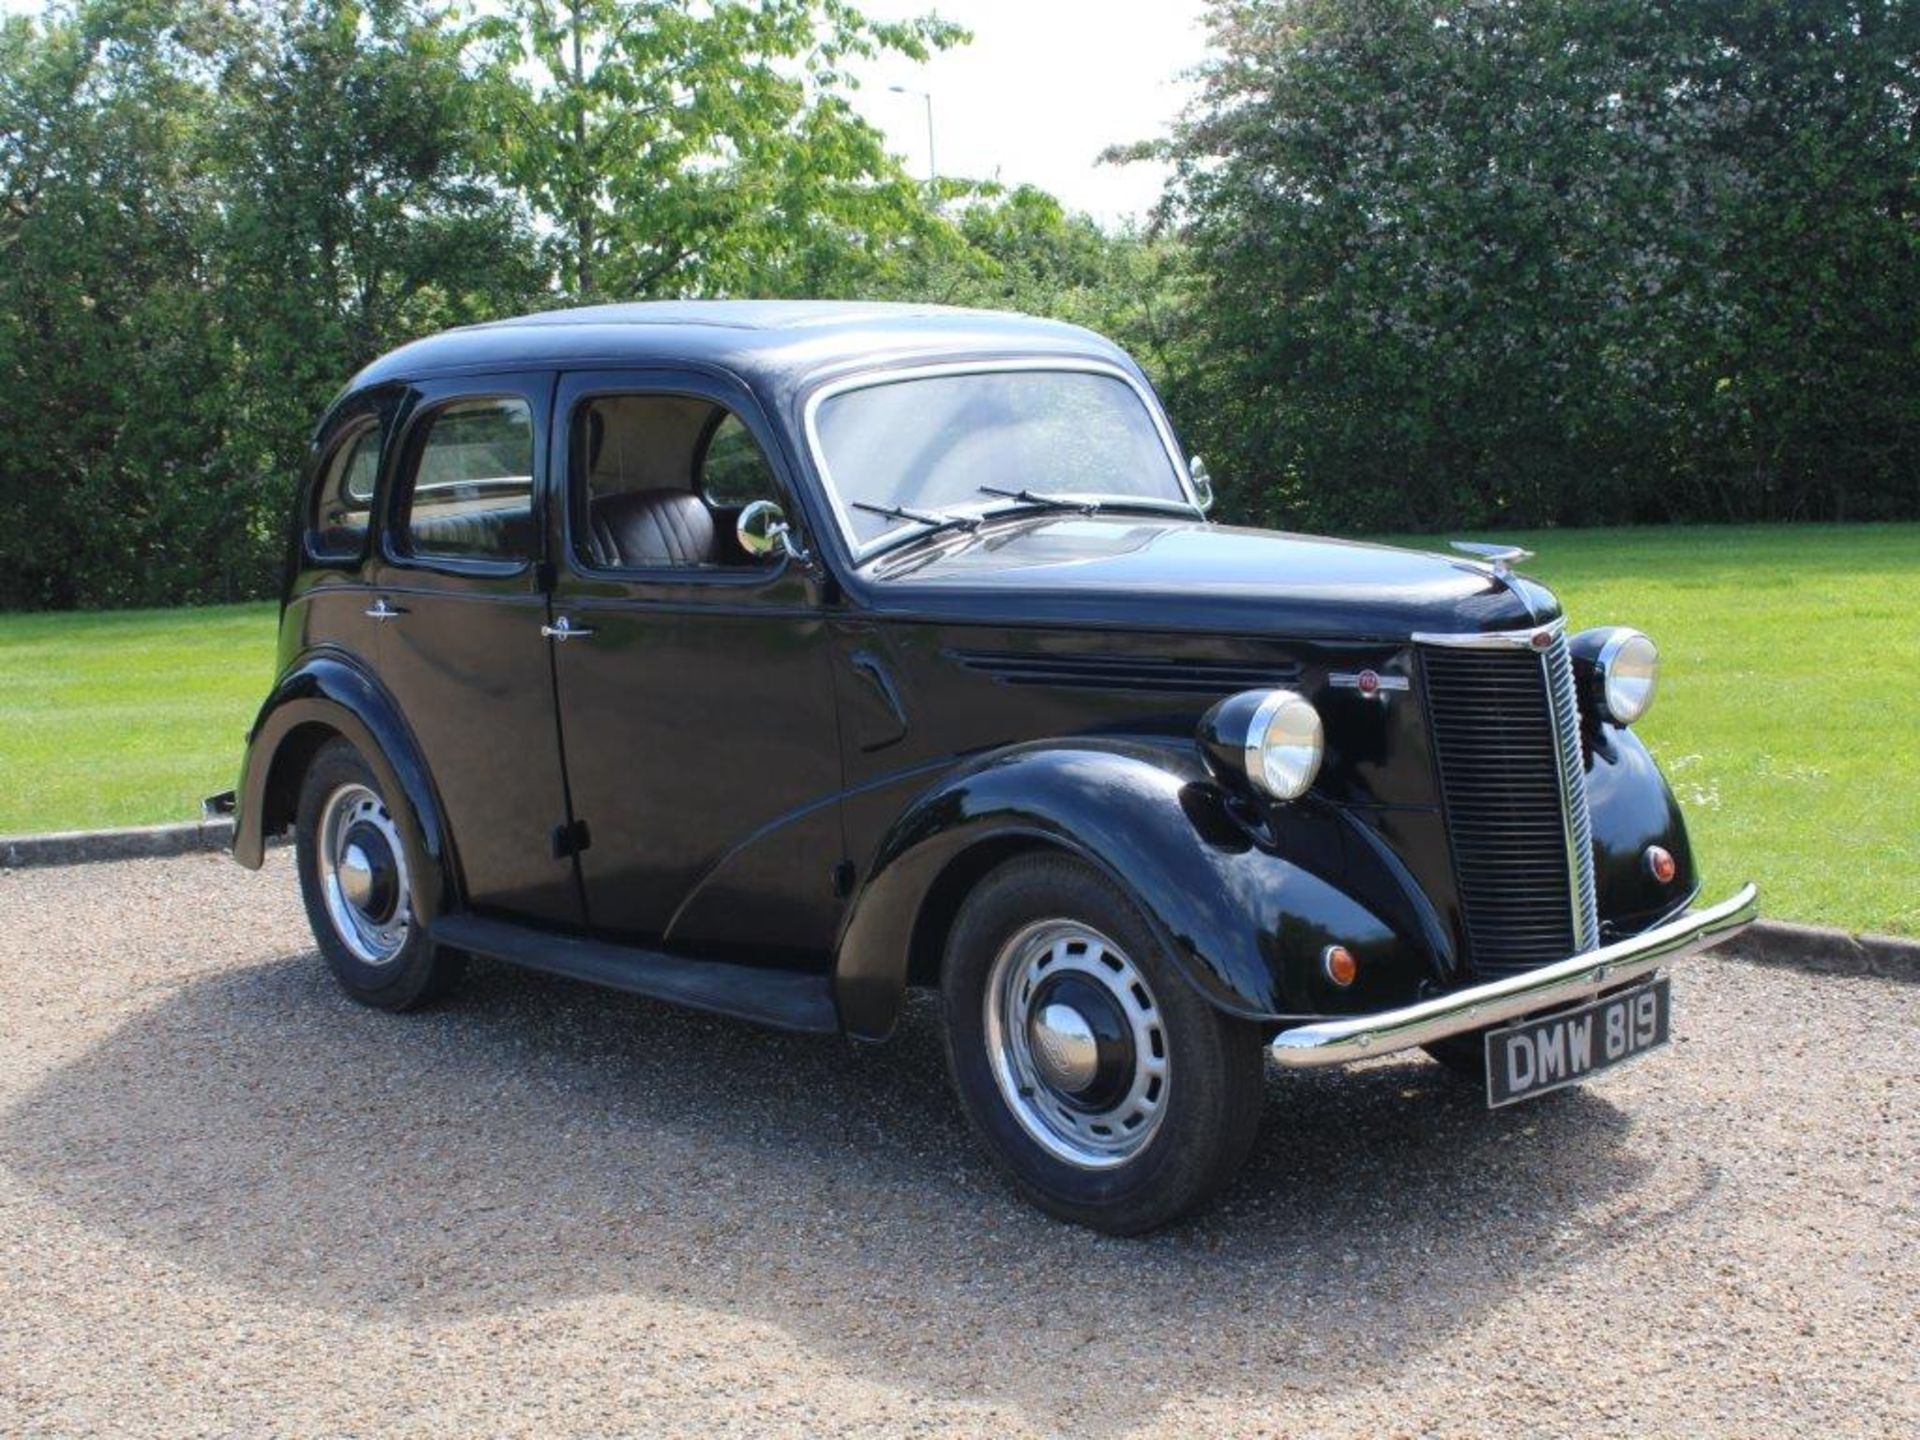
(659, 481)
(472, 490)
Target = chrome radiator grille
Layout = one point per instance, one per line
(1506, 734)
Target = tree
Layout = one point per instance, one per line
(107, 328)
(210, 215)
(1467, 262)
(357, 211)
(675, 147)
(1021, 249)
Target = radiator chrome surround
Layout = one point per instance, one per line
(1549, 643)
(1565, 702)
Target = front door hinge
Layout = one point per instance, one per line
(570, 839)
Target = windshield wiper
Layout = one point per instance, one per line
(1050, 502)
(935, 521)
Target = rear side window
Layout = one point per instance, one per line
(343, 501)
(472, 490)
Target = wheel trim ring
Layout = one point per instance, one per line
(372, 942)
(1088, 1140)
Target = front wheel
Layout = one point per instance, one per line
(1108, 1089)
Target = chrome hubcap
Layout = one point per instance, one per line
(356, 877)
(363, 875)
(1065, 1051)
(1077, 1044)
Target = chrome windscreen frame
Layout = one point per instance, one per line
(862, 550)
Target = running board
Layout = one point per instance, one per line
(782, 998)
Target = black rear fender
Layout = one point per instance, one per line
(324, 695)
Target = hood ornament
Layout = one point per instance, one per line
(1501, 557)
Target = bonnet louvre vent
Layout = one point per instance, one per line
(1108, 672)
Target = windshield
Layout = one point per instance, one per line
(929, 443)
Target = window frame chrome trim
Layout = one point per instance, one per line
(861, 551)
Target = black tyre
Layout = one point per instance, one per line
(362, 901)
(1104, 1085)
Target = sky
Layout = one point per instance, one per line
(1045, 86)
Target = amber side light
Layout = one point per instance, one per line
(1660, 864)
(1342, 969)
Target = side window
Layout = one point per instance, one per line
(472, 490)
(657, 481)
(733, 469)
(343, 500)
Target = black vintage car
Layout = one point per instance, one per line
(776, 658)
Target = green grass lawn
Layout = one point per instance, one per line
(1788, 719)
(126, 717)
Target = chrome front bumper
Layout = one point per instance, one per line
(1565, 982)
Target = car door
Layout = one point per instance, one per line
(460, 591)
(695, 694)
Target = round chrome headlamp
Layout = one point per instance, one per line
(1270, 740)
(1619, 670)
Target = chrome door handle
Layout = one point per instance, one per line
(380, 610)
(565, 629)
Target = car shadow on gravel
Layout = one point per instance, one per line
(536, 1142)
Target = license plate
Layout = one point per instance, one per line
(1536, 1056)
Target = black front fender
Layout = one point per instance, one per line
(1245, 905)
(1633, 807)
(326, 693)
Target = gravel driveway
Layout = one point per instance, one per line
(233, 1203)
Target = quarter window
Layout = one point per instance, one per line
(343, 501)
(472, 491)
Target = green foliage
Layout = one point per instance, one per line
(212, 216)
(1473, 262)
(356, 214)
(107, 325)
(126, 718)
(1022, 250)
(679, 148)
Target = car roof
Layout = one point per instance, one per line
(780, 344)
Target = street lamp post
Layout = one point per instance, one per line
(933, 170)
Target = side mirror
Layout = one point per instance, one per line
(1202, 482)
(762, 529)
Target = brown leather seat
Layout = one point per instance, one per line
(652, 527)
(506, 533)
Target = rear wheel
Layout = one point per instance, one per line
(1109, 1090)
(362, 899)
